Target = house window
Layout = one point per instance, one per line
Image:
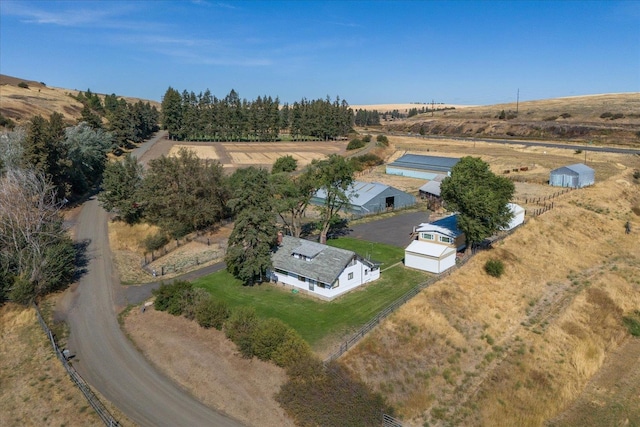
(302, 278)
(350, 276)
(366, 271)
(428, 236)
(445, 239)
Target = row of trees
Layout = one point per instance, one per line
(367, 118)
(188, 116)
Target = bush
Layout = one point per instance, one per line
(156, 241)
(382, 139)
(366, 138)
(23, 85)
(565, 115)
(329, 397)
(239, 329)
(7, 122)
(170, 297)
(606, 115)
(365, 161)
(191, 300)
(494, 267)
(355, 143)
(284, 164)
(636, 174)
(550, 118)
(292, 349)
(211, 313)
(632, 322)
(267, 337)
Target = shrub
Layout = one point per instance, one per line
(170, 298)
(494, 267)
(606, 115)
(292, 349)
(7, 122)
(355, 143)
(366, 138)
(565, 115)
(550, 118)
(329, 397)
(239, 328)
(383, 140)
(617, 116)
(23, 85)
(191, 300)
(636, 174)
(267, 337)
(155, 241)
(210, 313)
(284, 164)
(638, 134)
(632, 322)
(365, 161)
(578, 152)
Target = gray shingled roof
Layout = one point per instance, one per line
(325, 264)
(416, 161)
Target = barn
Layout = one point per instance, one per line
(575, 176)
(370, 197)
(424, 167)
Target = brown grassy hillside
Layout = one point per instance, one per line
(612, 119)
(476, 350)
(21, 104)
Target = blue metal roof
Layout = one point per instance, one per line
(417, 161)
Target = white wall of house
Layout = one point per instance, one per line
(351, 277)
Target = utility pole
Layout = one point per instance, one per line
(517, 101)
(432, 107)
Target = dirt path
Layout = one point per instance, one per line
(106, 358)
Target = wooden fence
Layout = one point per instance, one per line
(93, 400)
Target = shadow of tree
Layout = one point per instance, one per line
(82, 258)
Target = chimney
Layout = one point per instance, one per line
(279, 238)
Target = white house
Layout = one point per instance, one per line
(435, 247)
(320, 270)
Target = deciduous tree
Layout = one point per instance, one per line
(479, 197)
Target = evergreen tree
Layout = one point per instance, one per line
(172, 112)
(254, 233)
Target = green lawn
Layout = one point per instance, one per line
(387, 255)
(315, 319)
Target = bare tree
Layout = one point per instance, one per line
(34, 247)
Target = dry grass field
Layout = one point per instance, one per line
(475, 350)
(20, 104)
(34, 387)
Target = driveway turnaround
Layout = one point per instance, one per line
(395, 230)
(105, 358)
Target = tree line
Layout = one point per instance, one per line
(127, 122)
(204, 117)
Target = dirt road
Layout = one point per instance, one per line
(105, 357)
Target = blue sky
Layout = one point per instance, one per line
(367, 52)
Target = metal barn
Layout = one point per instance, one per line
(574, 176)
(424, 167)
(370, 197)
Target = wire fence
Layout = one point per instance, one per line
(93, 400)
